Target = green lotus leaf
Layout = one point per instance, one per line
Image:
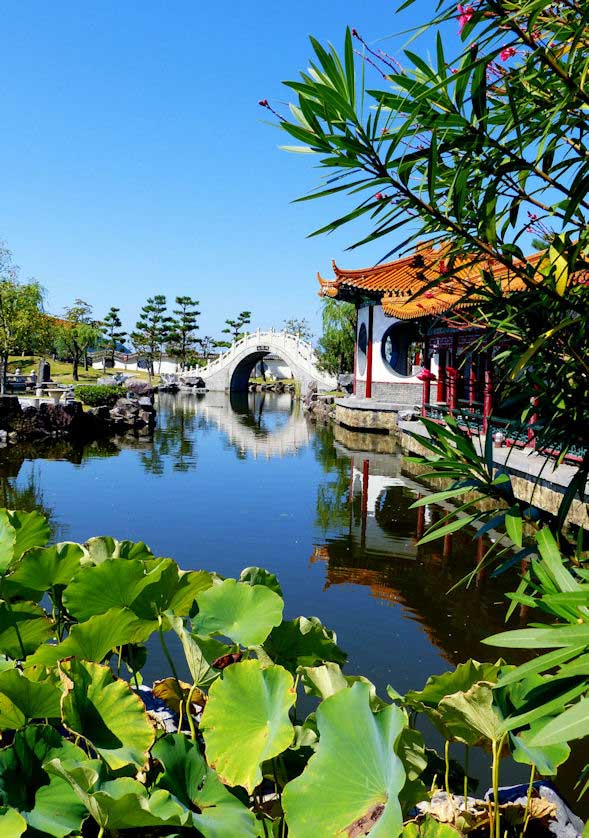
(148, 588)
(123, 803)
(104, 710)
(31, 530)
(244, 613)
(102, 547)
(351, 784)
(47, 803)
(12, 823)
(22, 699)
(470, 716)
(24, 620)
(175, 592)
(187, 776)
(546, 758)
(458, 680)
(42, 568)
(246, 721)
(303, 642)
(94, 639)
(328, 679)
(200, 652)
(429, 827)
(7, 541)
(110, 584)
(259, 576)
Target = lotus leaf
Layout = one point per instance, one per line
(259, 576)
(200, 652)
(7, 541)
(187, 776)
(122, 803)
(244, 613)
(326, 680)
(22, 699)
(94, 639)
(31, 530)
(42, 568)
(175, 592)
(458, 680)
(34, 627)
(105, 711)
(429, 827)
(470, 716)
(246, 721)
(47, 803)
(103, 547)
(351, 784)
(111, 584)
(12, 823)
(303, 642)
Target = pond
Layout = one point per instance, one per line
(228, 483)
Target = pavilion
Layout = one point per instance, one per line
(416, 345)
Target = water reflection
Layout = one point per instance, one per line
(258, 424)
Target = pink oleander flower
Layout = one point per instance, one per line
(379, 196)
(464, 15)
(506, 53)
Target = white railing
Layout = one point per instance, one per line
(303, 350)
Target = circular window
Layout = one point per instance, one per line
(394, 348)
(362, 348)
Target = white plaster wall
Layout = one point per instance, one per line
(380, 371)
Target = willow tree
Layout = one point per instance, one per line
(483, 149)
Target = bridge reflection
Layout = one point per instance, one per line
(257, 424)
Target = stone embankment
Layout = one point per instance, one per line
(319, 406)
(272, 387)
(43, 419)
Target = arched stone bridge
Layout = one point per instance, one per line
(232, 370)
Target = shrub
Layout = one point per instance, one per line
(99, 394)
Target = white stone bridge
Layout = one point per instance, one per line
(232, 370)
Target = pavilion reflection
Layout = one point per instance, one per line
(373, 542)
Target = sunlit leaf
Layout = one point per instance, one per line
(244, 613)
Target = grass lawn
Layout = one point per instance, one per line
(61, 371)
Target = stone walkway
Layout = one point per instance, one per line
(534, 476)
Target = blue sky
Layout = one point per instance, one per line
(135, 159)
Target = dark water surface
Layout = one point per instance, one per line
(250, 481)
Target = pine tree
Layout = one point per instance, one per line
(152, 330)
(112, 331)
(182, 339)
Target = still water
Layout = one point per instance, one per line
(228, 483)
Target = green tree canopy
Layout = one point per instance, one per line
(183, 328)
(336, 344)
(113, 332)
(152, 330)
(76, 333)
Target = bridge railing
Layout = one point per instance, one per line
(303, 349)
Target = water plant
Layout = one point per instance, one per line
(84, 754)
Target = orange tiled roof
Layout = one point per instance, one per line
(404, 283)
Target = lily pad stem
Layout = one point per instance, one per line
(527, 813)
(466, 756)
(447, 761)
(167, 653)
(189, 714)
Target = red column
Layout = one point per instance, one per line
(451, 386)
(441, 391)
(472, 382)
(364, 502)
(487, 399)
(368, 390)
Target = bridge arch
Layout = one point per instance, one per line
(231, 370)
